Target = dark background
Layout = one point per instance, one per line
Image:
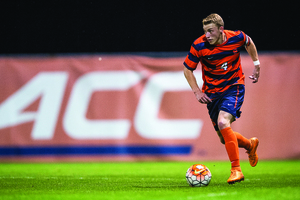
(49, 27)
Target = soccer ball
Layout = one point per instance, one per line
(198, 175)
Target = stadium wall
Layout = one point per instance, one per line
(135, 107)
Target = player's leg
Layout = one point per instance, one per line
(242, 141)
(221, 137)
(232, 103)
(230, 138)
(248, 144)
(231, 146)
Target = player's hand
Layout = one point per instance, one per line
(255, 74)
(202, 97)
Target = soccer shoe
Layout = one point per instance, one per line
(253, 158)
(235, 176)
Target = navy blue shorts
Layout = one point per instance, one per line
(230, 101)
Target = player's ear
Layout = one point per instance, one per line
(221, 29)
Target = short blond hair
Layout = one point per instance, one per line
(213, 18)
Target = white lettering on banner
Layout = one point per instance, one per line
(75, 122)
(50, 86)
(146, 119)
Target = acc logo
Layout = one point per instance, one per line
(50, 88)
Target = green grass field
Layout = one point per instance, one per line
(146, 180)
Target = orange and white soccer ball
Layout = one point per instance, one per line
(198, 175)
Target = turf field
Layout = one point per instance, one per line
(146, 180)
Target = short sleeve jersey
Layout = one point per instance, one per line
(221, 64)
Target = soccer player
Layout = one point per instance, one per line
(218, 51)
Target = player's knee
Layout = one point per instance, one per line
(224, 119)
(223, 124)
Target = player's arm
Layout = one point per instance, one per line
(252, 51)
(191, 79)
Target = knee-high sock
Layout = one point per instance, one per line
(231, 145)
(242, 141)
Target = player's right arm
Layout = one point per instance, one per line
(191, 79)
(252, 51)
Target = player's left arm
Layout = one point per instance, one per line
(252, 51)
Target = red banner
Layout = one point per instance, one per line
(82, 108)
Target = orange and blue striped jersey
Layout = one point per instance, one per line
(221, 64)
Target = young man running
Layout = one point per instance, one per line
(218, 51)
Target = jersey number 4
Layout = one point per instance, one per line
(224, 66)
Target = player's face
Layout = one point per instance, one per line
(213, 33)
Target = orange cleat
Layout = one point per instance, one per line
(253, 158)
(235, 176)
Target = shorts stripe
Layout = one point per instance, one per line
(237, 95)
